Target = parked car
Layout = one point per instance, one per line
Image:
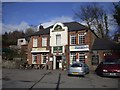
(78, 68)
(109, 68)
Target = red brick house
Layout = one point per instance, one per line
(61, 43)
(104, 49)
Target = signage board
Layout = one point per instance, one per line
(57, 49)
(79, 48)
(39, 50)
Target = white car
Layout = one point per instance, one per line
(80, 69)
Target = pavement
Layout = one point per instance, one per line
(30, 79)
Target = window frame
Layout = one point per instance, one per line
(58, 42)
(74, 57)
(73, 35)
(44, 42)
(44, 56)
(82, 55)
(97, 60)
(35, 42)
(82, 39)
(34, 56)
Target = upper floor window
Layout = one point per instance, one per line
(73, 39)
(81, 38)
(58, 39)
(44, 41)
(35, 42)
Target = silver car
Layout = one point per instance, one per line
(78, 69)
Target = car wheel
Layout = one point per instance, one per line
(68, 74)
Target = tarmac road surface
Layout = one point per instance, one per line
(18, 78)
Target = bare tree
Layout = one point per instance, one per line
(29, 31)
(95, 18)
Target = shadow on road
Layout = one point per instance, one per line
(38, 81)
(58, 83)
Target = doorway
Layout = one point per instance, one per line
(58, 59)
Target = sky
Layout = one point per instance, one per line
(19, 15)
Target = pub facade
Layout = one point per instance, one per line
(61, 44)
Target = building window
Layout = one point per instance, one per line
(58, 39)
(82, 57)
(95, 60)
(72, 39)
(21, 40)
(118, 39)
(72, 57)
(44, 58)
(34, 59)
(44, 41)
(35, 41)
(81, 38)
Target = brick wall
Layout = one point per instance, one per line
(89, 40)
(30, 46)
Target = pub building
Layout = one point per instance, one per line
(61, 44)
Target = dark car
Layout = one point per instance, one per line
(78, 68)
(109, 68)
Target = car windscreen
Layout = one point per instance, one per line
(76, 65)
(111, 62)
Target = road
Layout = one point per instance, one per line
(15, 78)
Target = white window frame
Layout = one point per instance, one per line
(34, 56)
(81, 38)
(72, 57)
(44, 41)
(58, 40)
(35, 42)
(71, 40)
(44, 56)
(82, 55)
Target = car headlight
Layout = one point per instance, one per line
(118, 70)
(104, 70)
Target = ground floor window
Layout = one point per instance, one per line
(44, 58)
(82, 57)
(72, 57)
(34, 58)
(95, 60)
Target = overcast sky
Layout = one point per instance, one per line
(19, 15)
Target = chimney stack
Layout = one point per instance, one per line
(40, 27)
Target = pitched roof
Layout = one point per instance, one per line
(105, 44)
(72, 26)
